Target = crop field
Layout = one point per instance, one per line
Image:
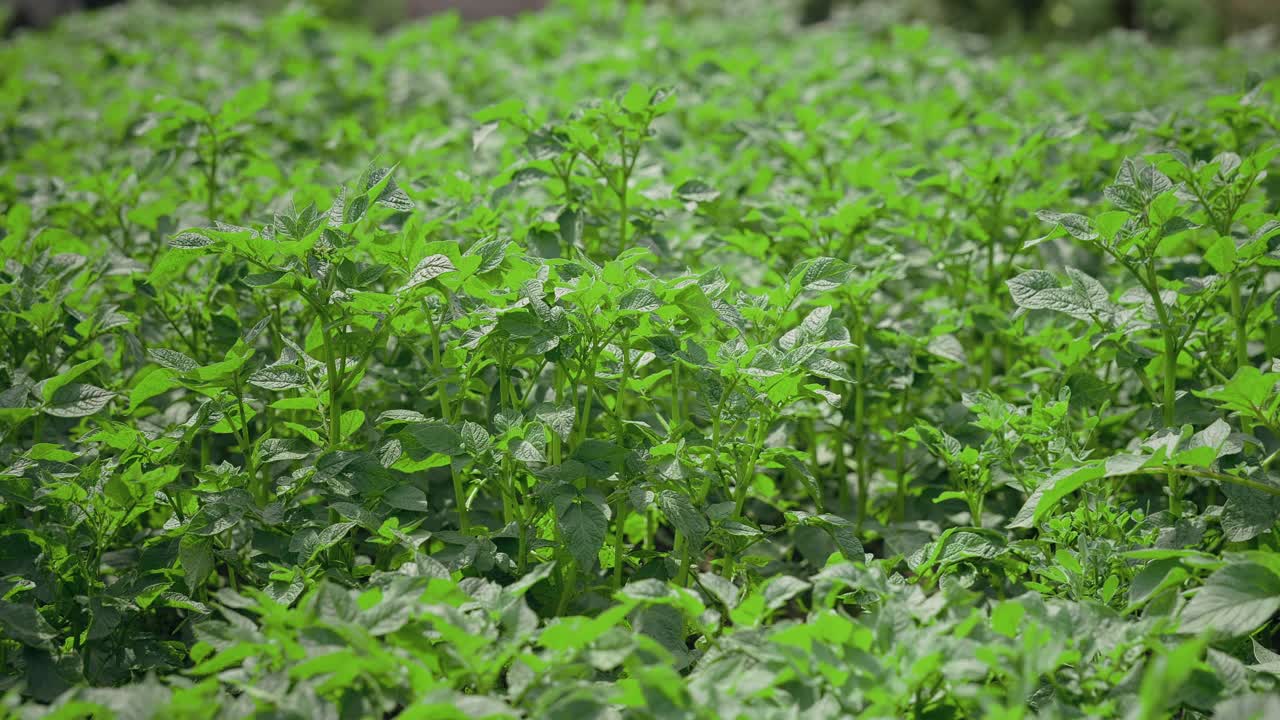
(633, 363)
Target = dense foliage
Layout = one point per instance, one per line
(624, 365)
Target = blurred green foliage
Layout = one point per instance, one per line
(1193, 21)
(1175, 21)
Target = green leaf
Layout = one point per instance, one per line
(1051, 492)
(639, 300)
(1234, 601)
(1249, 390)
(682, 515)
(196, 555)
(782, 589)
(1084, 299)
(431, 267)
(693, 301)
(24, 624)
(1221, 255)
(843, 533)
(406, 497)
(77, 400)
(151, 382)
(583, 525)
(434, 437)
(279, 377)
(559, 418)
(1248, 513)
(825, 273)
(350, 422)
(278, 450)
(173, 360)
(696, 191)
(192, 240)
(1077, 226)
(52, 385)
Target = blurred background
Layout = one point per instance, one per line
(1192, 21)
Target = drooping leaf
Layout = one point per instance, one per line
(1233, 601)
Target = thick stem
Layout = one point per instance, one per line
(681, 551)
(901, 467)
(460, 497)
(526, 514)
(974, 498)
(335, 385)
(1170, 378)
(620, 517)
(211, 201)
(622, 215)
(675, 396)
(1242, 325)
(747, 470)
(246, 444)
(566, 591)
(859, 417)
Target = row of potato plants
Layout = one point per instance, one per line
(635, 364)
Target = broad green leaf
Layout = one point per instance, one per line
(196, 555)
(51, 386)
(583, 526)
(77, 400)
(1233, 601)
(431, 267)
(1050, 492)
(825, 273)
(682, 515)
(279, 377)
(173, 360)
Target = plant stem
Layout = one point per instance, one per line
(566, 590)
(1170, 387)
(1242, 325)
(859, 416)
(747, 468)
(522, 521)
(675, 394)
(335, 384)
(901, 466)
(620, 518)
(211, 202)
(681, 550)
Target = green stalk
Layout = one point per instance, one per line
(211, 201)
(620, 518)
(523, 525)
(1242, 324)
(460, 497)
(459, 492)
(508, 492)
(1170, 382)
(974, 498)
(620, 403)
(620, 414)
(335, 385)
(246, 445)
(840, 468)
(902, 460)
(681, 550)
(622, 214)
(506, 399)
(859, 417)
(747, 469)
(566, 590)
(675, 395)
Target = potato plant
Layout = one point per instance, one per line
(620, 363)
